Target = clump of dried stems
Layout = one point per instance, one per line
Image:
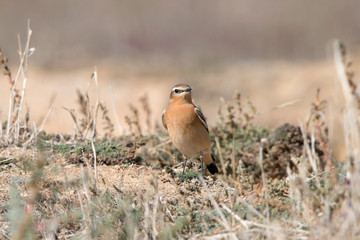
(133, 121)
(17, 125)
(86, 126)
(237, 115)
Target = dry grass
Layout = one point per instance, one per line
(274, 184)
(17, 128)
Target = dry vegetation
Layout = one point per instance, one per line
(274, 184)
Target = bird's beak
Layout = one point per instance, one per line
(188, 89)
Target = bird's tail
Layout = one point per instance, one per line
(210, 163)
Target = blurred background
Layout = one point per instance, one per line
(82, 32)
(271, 51)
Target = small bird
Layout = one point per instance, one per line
(187, 128)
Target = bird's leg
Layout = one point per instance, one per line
(202, 164)
(182, 175)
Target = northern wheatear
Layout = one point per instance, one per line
(187, 128)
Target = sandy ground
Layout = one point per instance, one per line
(267, 84)
(133, 180)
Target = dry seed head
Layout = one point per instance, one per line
(230, 118)
(83, 100)
(109, 126)
(237, 98)
(220, 115)
(128, 122)
(146, 107)
(135, 120)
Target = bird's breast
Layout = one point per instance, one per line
(186, 131)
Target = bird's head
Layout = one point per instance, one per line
(181, 91)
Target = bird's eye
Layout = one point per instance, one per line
(176, 91)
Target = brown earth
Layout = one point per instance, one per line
(130, 180)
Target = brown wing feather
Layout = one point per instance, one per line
(201, 117)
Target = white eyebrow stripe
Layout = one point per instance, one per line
(179, 89)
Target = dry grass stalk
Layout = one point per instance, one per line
(94, 120)
(74, 118)
(316, 121)
(14, 127)
(351, 127)
(237, 217)
(347, 72)
(95, 161)
(351, 110)
(317, 117)
(264, 182)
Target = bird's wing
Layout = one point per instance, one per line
(201, 117)
(163, 119)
